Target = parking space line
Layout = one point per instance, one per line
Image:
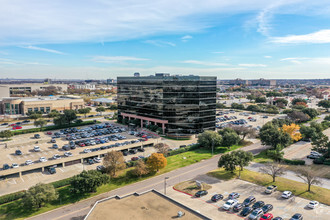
(10, 158)
(22, 179)
(61, 169)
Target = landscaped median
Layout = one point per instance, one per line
(297, 188)
(16, 210)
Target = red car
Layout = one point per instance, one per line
(267, 216)
(12, 125)
(82, 145)
(49, 133)
(249, 117)
(17, 127)
(134, 158)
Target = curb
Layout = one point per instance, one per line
(181, 191)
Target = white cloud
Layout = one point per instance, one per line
(42, 49)
(186, 38)
(218, 52)
(16, 62)
(251, 65)
(319, 37)
(204, 63)
(116, 59)
(295, 60)
(268, 57)
(160, 43)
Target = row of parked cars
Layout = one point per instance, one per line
(251, 207)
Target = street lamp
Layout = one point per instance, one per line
(165, 184)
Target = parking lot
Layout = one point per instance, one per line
(284, 208)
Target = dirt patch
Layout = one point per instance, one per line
(191, 187)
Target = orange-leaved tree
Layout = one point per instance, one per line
(293, 131)
(156, 161)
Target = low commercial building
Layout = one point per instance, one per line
(17, 105)
(9, 90)
(262, 83)
(181, 105)
(147, 205)
(83, 86)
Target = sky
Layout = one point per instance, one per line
(100, 39)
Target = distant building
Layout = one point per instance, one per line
(239, 82)
(17, 105)
(110, 81)
(262, 83)
(82, 86)
(136, 74)
(180, 105)
(102, 101)
(9, 90)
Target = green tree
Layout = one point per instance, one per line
(251, 97)
(6, 134)
(242, 159)
(84, 111)
(53, 114)
(321, 144)
(229, 139)
(253, 108)
(307, 132)
(324, 103)
(35, 116)
(237, 106)
(88, 181)
(281, 102)
(209, 138)
(37, 196)
(40, 123)
(100, 109)
(228, 162)
(276, 154)
(220, 105)
(69, 115)
(261, 100)
(296, 100)
(327, 118)
(272, 135)
(311, 112)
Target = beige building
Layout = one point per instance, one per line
(8, 90)
(17, 105)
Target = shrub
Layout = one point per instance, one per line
(11, 197)
(294, 162)
(61, 183)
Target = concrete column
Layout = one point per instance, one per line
(20, 174)
(163, 127)
(42, 169)
(129, 118)
(148, 122)
(141, 123)
(81, 160)
(63, 164)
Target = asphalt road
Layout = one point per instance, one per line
(80, 209)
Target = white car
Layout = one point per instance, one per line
(314, 153)
(286, 194)
(56, 156)
(97, 160)
(28, 162)
(36, 148)
(14, 165)
(68, 154)
(313, 204)
(229, 204)
(87, 150)
(42, 159)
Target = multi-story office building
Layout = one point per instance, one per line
(8, 90)
(15, 105)
(180, 105)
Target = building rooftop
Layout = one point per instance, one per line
(105, 100)
(149, 205)
(41, 98)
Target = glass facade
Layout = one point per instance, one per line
(187, 102)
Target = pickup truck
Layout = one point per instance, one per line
(270, 189)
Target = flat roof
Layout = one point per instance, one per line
(42, 98)
(149, 205)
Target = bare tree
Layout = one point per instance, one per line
(162, 148)
(309, 176)
(114, 161)
(273, 170)
(244, 131)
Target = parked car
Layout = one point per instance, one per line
(278, 218)
(6, 166)
(246, 211)
(100, 168)
(258, 204)
(28, 162)
(87, 150)
(56, 157)
(237, 207)
(249, 201)
(201, 193)
(90, 161)
(14, 165)
(255, 214)
(267, 208)
(3, 124)
(17, 127)
(36, 149)
(267, 216)
(134, 158)
(42, 159)
(49, 133)
(270, 189)
(313, 204)
(286, 194)
(233, 195)
(297, 216)
(55, 146)
(18, 152)
(51, 170)
(68, 154)
(37, 136)
(97, 160)
(66, 147)
(53, 140)
(229, 204)
(216, 197)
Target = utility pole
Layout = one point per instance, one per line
(165, 184)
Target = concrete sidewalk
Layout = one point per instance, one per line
(288, 175)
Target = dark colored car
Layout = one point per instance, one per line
(6, 166)
(246, 211)
(233, 195)
(52, 170)
(90, 161)
(267, 208)
(37, 136)
(4, 124)
(18, 152)
(141, 149)
(125, 153)
(297, 216)
(216, 197)
(237, 207)
(55, 146)
(277, 218)
(66, 147)
(258, 204)
(248, 201)
(201, 193)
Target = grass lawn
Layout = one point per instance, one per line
(262, 158)
(297, 188)
(191, 187)
(15, 210)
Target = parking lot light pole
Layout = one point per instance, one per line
(165, 184)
